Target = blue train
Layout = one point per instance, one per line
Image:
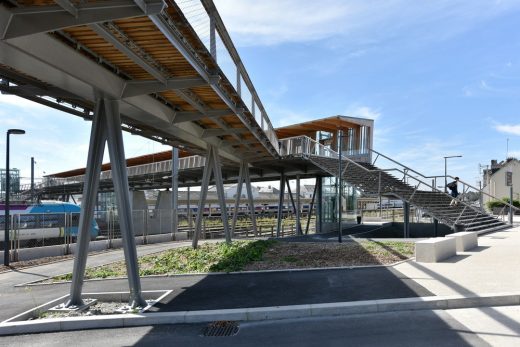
(47, 220)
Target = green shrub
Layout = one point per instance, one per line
(501, 203)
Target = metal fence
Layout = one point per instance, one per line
(51, 229)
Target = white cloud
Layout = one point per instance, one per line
(269, 22)
(508, 128)
(363, 112)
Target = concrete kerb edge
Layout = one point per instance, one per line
(352, 267)
(261, 313)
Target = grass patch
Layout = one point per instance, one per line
(259, 255)
(209, 257)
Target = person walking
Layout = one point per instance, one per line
(454, 191)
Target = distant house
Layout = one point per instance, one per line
(495, 179)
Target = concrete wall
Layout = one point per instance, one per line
(396, 230)
(25, 254)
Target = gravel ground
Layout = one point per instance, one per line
(322, 254)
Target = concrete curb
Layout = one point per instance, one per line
(261, 313)
(38, 282)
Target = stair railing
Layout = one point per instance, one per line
(305, 146)
(465, 186)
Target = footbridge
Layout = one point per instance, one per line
(169, 71)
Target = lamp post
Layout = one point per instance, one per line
(446, 169)
(7, 192)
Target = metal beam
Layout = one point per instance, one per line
(180, 43)
(39, 19)
(221, 132)
(190, 116)
(68, 6)
(134, 88)
(114, 35)
(47, 59)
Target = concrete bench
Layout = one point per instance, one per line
(465, 240)
(435, 249)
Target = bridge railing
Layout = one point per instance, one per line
(207, 23)
(186, 163)
(469, 194)
(305, 146)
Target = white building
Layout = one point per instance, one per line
(495, 179)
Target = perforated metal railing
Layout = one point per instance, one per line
(206, 22)
(186, 163)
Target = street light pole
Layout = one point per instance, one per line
(446, 170)
(7, 192)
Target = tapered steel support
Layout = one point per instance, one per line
(190, 214)
(212, 165)
(280, 205)
(247, 179)
(295, 210)
(219, 183)
(298, 207)
(311, 208)
(406, 219)
(175, 189)
(237, 198)
(98, 137)
(121, 189)
(243, 177)
(202, 199)
(319, 205)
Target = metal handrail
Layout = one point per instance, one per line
(306, 142)
(435, 177)
(218, 34)
(185, 163)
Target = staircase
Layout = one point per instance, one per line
(373, 180)
(370, 179)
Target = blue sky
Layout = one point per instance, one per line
(439, 77)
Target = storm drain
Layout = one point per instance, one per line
(221, 328)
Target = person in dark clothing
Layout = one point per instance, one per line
(454, 191)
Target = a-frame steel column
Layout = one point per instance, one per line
(175, 189)
(237, 198)
(98, 136)
(298, 226)
(208, 167)
(243, 177)
(319, 205)
(250, 197)
(311, 208)
(280, 205)
(298, 207)
(219, 183)
(120, 177)
(212, 165)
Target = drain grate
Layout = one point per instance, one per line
(221, 328)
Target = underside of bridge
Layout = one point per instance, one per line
(165, 70)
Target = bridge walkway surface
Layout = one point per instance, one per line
(480, 279)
